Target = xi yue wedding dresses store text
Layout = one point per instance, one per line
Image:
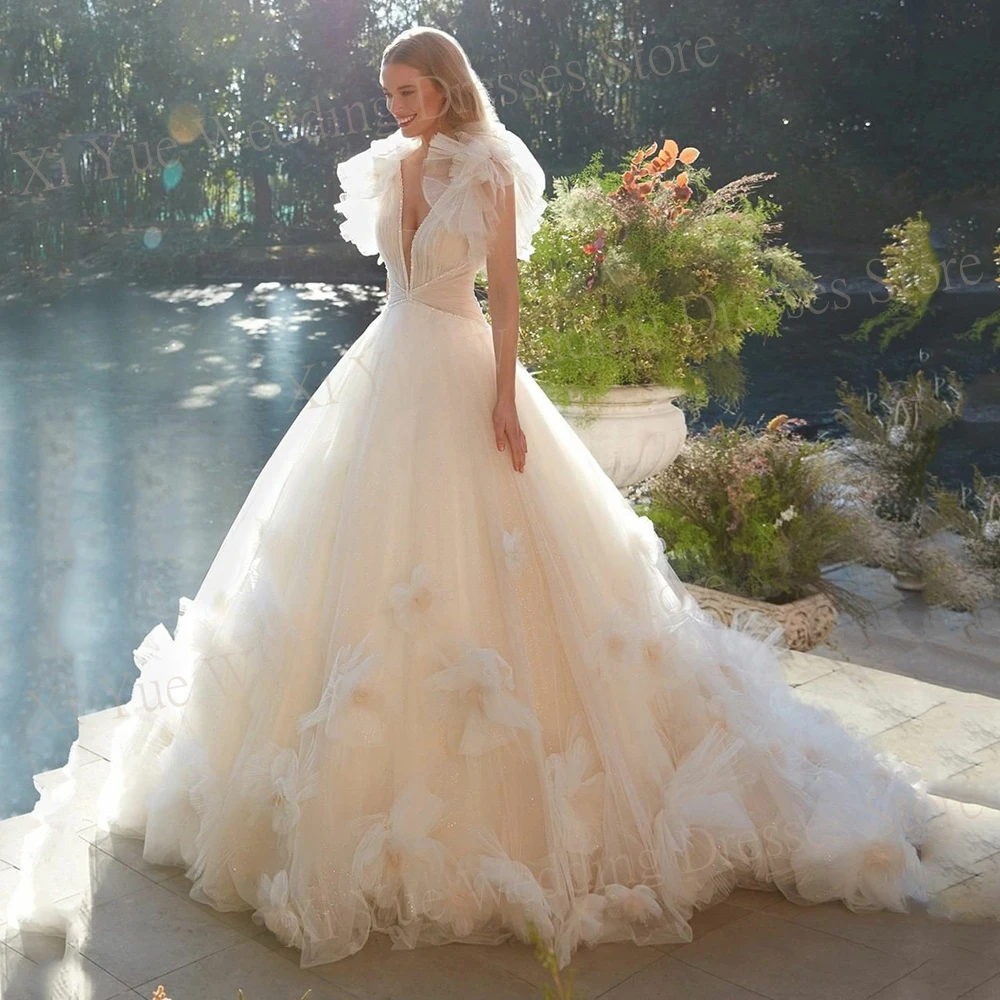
(420, 692)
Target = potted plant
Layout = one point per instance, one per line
(749, 518)
(640, 292)
(965, 578)
(895, 435)
(974, 515)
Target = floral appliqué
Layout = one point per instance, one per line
(276, 776)
(477, 683)
(274, 909)
(615, 646)
(396, 857)
(412, 601)
(576, 793)
(348, 708)
(514, 553)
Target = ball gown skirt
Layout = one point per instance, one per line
(421, 693)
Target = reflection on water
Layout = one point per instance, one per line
(134, 423)
(796, 374)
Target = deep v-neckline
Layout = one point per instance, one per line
(399, 228)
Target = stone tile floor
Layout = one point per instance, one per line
(952, 648)
(144, 930)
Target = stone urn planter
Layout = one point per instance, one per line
(807, 622)
(634, 431)
(905, 580)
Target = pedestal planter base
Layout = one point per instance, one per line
(807, 622)
(908, 581)
(636, 430)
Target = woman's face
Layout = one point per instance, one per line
(417, 102)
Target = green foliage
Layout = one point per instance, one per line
(974, 513)
(839, 131)
(673, 296)
(897, 432)
(982, 326)
(900, 507)
(752, 513)
(912, 276)
(561, 987)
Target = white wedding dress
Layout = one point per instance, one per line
(419, 692)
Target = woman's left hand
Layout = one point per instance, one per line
(507, 430)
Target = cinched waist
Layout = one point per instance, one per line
(457, 303)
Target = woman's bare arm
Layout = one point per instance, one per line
(504, 300)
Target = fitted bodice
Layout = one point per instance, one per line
(465, 177)
(443, 267)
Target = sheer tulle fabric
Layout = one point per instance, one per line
(420, 693)
(464, 177)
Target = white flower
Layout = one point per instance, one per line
(514, 553)
(478, 682)
(702, 794)
(786, 515)
(615, 645)
(278, 777)
(274, 909)
(508, 889)
(645, 541)
(583, 925)
(897, 435)
(991, 531)
(655, 647)
(396, 853)
(411, 602)
(632, 906)
(262, 618)
(857, 847)
(163, 661)
(348, 706)
(574, 790)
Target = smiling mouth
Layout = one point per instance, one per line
(407, 119)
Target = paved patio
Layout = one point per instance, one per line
(951, 648)
(145, 931)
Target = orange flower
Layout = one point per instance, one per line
(642, 154)
(668, 155)
(665, 158)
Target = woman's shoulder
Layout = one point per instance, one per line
(486, 151)
(465, 172)
(471, 169)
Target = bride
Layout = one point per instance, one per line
(440, 680)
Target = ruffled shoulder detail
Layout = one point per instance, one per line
(365, 179)
(465, 174)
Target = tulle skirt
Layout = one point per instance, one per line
(421, 693)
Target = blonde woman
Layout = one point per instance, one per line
(440, 680)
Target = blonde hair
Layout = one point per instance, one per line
(438, 56)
